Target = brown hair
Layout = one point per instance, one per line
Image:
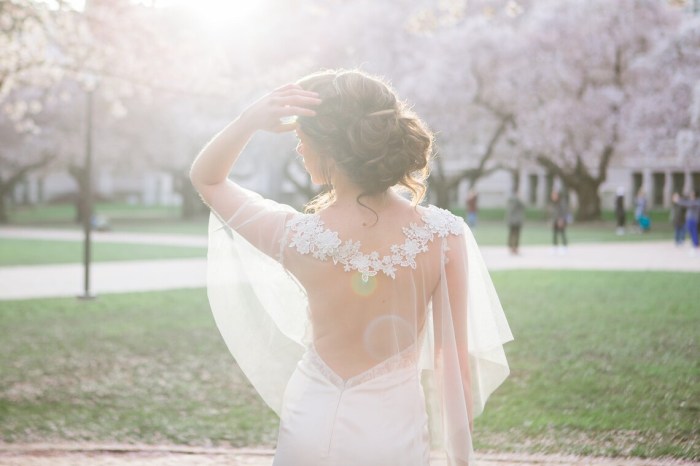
(372, 137)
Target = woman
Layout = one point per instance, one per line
(357, 319)
(515, 215)
(560, 218)
(678, 219)
(692, 218)
(640, 211)
(620, 212)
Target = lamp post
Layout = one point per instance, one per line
(90, 86)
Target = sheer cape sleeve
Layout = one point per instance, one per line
(469, 330)
(262, 313)
(259, 308)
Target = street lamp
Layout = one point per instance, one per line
(90, 86)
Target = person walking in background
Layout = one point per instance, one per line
(678, 219)
(472, 208)
(620, 213)
(640, 211)
(515, 215)
(692, 215)
(560, 216)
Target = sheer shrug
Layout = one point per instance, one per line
(279, 280)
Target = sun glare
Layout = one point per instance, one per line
(222, 16)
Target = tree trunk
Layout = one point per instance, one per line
(192, 205)
(4, 218)
(588, 201)
(7, 185)
(440, 185)
(582, 183)
(78, 174)
(442, 194)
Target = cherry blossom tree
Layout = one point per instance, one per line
(666, 111)
(576, 96)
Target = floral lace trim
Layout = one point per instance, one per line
(402, 360)
(310, 236)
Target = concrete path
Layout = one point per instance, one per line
(643, 255)
(103, 236)
(55, 280)
(64, 280)
(144, 455)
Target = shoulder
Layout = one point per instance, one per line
(442, 221)
(299, 220)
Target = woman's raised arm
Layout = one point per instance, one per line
(212, 165)
(243, 210)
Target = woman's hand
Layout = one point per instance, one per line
(270, 112)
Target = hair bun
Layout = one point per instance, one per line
(373, 138)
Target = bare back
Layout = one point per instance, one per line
(368, 288)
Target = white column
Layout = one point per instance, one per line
(647, 183)
(668, 188)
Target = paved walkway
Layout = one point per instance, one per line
(128, 455)
(56, 280)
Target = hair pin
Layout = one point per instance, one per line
(381, 112)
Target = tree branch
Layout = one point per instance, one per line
(9, 184)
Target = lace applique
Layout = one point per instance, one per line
(310, 236)
(408, 357)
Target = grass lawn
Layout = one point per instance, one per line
(604, 363)
(491, 230)
(33, 252)
(65, 213)
(141, 367)
(490, 233)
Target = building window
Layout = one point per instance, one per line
(637, 180)
(678, 182)
(549, 184)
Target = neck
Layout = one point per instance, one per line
(346, 193)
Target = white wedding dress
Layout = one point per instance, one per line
(372, 352)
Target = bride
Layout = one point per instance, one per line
(369, 323)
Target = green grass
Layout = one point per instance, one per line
(122, 217)
(489, 233)
(491, 230)
(604, 363)
(63, 214)
(142, 367)
(33, 252)
(197, 226)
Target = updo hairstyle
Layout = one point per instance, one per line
(373, 138)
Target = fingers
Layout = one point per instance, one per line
(273, 112)
(295, 104)
(292, 110)
(287, 87)
(285, 127)
(293, 89)
(301, 92)
(296, 100)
